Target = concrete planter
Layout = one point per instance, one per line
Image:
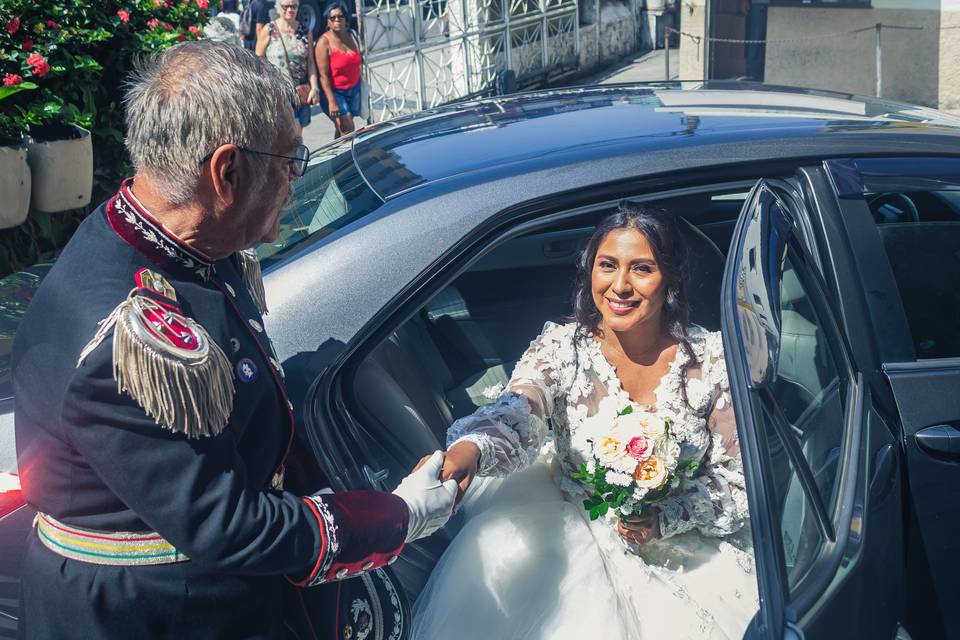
(62, 172)
(14, 186)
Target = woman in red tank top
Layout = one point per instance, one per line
(339, 62)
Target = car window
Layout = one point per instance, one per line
(920, 231)
(330, 194)
(801, 413)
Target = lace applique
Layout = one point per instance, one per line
(564, 377)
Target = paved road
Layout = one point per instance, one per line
(638, 67)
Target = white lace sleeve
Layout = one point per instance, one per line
(511, 431)
(714, 500)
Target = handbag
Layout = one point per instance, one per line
(303, 90)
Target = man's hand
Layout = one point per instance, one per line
(460, 464)
(642, 529)
(429, 501)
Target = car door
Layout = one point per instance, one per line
(821, 464)
(905, 215)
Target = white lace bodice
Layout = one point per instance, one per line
(564, 377)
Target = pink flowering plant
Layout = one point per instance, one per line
(636, 462)
(64, 62)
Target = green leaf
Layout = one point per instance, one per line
(599, 510)
(6, 92)
(626, 411)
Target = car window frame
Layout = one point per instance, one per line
(803, 597)
(893, 338)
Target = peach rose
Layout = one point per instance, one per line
(650, 474)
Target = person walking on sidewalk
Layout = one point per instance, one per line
(288, 45)
(340, 63)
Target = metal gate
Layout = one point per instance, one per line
(422, 53)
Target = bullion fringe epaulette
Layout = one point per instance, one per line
(169, 365)
(253, 278)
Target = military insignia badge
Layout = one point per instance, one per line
(167, 361)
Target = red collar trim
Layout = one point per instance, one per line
(134, 224)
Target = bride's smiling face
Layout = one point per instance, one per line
(628, 286)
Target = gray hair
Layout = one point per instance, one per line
(277, 3)
(194, 97)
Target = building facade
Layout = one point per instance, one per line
(914, 54)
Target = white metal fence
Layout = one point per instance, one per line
(423, 53)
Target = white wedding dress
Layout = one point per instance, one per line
(529, 564)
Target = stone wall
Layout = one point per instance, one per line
(847, 63)
(920, 66)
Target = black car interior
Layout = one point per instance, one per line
(920, 231)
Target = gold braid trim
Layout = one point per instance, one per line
(253, 278)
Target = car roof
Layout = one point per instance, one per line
(530, 128)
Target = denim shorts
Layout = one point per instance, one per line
(303, 115)
(347, 99)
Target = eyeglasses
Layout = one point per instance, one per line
(289, 7)
(337, 17)
(298, 161)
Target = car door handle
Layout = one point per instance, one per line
(942, 440)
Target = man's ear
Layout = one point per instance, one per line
(226, 171)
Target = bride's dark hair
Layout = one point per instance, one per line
(670, 251)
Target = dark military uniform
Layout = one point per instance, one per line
(161, 513)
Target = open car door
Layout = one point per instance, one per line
(822, 467)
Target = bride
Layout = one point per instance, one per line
(529, 563)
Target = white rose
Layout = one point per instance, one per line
(642, 423)
(609, 447)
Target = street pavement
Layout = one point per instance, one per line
(639, 67)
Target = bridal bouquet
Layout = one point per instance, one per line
(636, 462)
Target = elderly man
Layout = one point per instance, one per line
(151, 418)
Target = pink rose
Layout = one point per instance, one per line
(195, 31)
(203, 4)
(181, 38)
(152, 23)
(12, 79)
(13, 26)
(639, 448)
(40, 65)
(123, 15)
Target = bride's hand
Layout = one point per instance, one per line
(460, 463)
(642, 529)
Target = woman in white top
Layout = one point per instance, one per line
(529, 563)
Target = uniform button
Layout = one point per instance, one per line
(368, 566)
(289, 405)
(256, 325)
(392, 560)
(234, 344)
(342, 573)
(230, 289)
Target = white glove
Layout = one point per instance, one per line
(429, 501)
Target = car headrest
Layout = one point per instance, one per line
(704, 276)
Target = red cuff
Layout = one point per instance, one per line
(360, 531)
